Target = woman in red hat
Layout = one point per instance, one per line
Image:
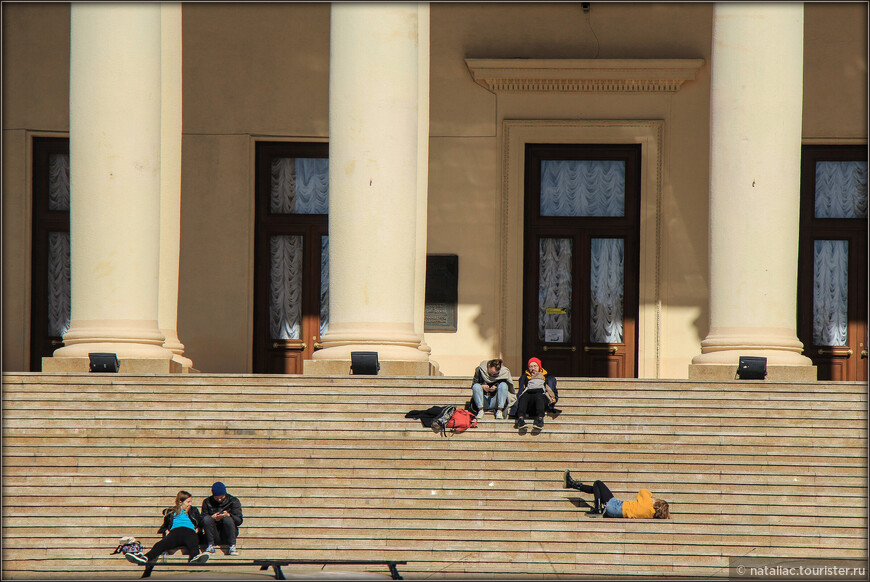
(537, 393)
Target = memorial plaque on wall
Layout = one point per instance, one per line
(442, 292)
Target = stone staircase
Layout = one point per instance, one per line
(328, 467)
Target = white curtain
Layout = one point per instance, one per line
(841, 189)
(554, 286)
(285, 289)
(582, 188)
(830, 292)
(58, 182)
(58, 248)
(606, 282)
(324, 284)
(300, 186)
(58, 284)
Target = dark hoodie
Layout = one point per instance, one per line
(210, 506)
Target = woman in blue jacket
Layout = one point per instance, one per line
(181, 521)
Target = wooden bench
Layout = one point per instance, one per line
(277, 564)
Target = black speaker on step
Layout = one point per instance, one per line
(364, 363)
(752, 368)
(104, 363)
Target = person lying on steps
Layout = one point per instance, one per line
(646, 507)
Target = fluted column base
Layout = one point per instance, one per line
(138, 345)
(394, 341)
(388, 368)
(721, 351)
(397, 345)
(174, 345)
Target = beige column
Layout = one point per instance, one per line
(115, 181)
(422, 172)
(170, 180)
(756, 100)
(373, 117)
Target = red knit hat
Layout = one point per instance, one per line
(535, 360)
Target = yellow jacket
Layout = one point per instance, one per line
(642, 508)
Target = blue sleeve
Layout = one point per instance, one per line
(522, 386)
(551, 382)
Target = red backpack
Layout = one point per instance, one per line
(461, 421)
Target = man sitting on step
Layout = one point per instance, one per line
(221, 518)
(492, 388)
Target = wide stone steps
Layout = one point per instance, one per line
(330, 468)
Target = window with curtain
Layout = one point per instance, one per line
(582, 188)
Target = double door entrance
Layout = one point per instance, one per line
(581, 255)
(832, 269)
(291, 307)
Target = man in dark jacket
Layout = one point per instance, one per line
(221, 518)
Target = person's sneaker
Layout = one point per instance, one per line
(210, 549)
(480, 413)
(520, 423)
(499, 414)
(136, 558)
(233, 551)
(200, 558)
(539, 422)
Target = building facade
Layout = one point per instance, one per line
(625, 190)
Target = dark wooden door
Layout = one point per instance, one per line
(50, 254)
(832, 267)
(291, 255)
(580, 296)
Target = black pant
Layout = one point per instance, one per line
(182, 537)
(223, 530)
(534, 401)
(599, 490)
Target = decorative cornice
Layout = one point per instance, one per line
(583, 75)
